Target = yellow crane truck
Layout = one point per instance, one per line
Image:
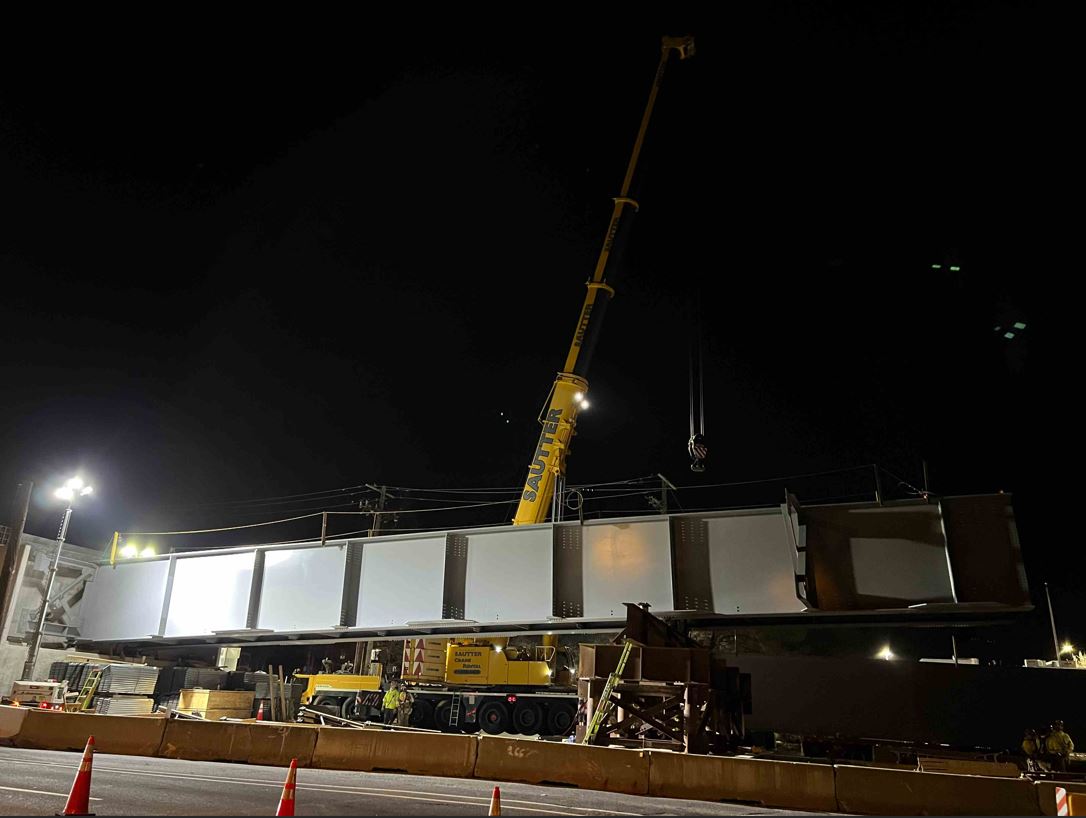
(467, 685)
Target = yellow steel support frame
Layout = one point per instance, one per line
(605, 705)
(559, 418)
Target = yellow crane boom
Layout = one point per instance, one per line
(568, 395)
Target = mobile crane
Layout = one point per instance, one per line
(485, 683)
(473, 684)
(568, 395)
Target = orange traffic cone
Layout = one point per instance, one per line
(79, 798)
(496, 802)
(260, 712)
(286, 800)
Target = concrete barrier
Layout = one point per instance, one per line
(715, 778)
(277, 744)
(345, 748)
(125, 735)
(871, 791)
(1046, 794)
(11, 722)
(206, 741)
(545, 762)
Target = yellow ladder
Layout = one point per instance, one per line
(605, 706)
(90, 685)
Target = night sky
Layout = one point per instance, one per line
(248, 261)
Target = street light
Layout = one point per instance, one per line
(73, 488)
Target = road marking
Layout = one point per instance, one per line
(343, 789)
(41, 792)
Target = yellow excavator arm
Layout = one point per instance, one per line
(569, 393)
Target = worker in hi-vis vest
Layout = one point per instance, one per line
(391, 703)
(1058, 747)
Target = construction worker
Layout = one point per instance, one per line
(391, 704)
(1058, 747)
(403, 711)
(1031, 748)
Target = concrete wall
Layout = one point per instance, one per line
(13, 656)
(77, 563)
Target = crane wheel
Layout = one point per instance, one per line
(560, 718)
(494, 717)
(527, 718)
(442, 716)
(328, 704)
(422, 714)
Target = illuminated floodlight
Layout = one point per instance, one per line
(498, 648)
(1067, 647)
(886, 653)
(578, 396)
(129, 551)
(72, 488)
(1019, 325)
(584, 404)
(148, 551)
(1008, 335)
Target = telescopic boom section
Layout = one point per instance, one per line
(568, 395)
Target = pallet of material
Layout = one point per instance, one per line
(123, 705)
(202, 700)
(216, 714)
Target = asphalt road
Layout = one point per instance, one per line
(37, 782)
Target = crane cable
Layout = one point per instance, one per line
(696, 447)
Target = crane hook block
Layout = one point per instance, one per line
(684, 45)
(698, 452)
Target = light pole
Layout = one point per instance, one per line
(68, 492)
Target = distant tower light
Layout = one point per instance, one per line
(1019, 325)
(1008, 335)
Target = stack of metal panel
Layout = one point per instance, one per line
(171, 681)
(123, 705)
(75, 673)
(138, 679)
(207, 678)
(242, 680)
(166, 701)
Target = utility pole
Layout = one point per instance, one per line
(35, 640)
(1052, 620)
(14, 551)
(71, 491)
(665, 484)
(383, 494)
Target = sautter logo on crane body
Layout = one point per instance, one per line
(583, 326)
(542, 454)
